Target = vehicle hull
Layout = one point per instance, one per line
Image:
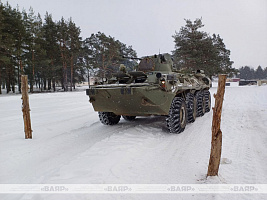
(131, 101)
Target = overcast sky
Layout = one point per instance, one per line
(148, 25)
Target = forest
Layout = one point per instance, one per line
(249, 73)
(52, 53)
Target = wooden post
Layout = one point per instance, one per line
(216, 141)
(26, 107)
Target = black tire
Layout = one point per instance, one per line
(191, 106)
(207, 101)
(177, 118)
(109, 118)
(129, 118)
(200, 103)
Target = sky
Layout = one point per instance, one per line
(148, 25)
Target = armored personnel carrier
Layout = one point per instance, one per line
(154, 88)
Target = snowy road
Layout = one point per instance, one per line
(71, 146)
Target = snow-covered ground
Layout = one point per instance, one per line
(71, 146)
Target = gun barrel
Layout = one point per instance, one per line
(133, 58)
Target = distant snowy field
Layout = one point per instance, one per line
(71, 146)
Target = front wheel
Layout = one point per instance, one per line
(191, 104)
(177, 118)
(200, 103)
(109, 118)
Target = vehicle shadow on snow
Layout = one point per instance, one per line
(149, 122)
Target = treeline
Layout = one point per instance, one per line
(249, 73)
(52, 53)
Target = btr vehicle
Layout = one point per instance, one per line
(154, 88)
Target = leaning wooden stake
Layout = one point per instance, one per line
(216, 141)
(26, 107)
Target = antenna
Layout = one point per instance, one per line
(159, 50)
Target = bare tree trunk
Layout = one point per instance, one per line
(71, 72)
(62, 82)
(32, 79)
(20, 73)
(8, 82)
(64, 64)
(31, 86)
(26, 107)
(65, 78)
(44, 80)
(54, 84)
(13, 78)
(216, 141)
(49, 84)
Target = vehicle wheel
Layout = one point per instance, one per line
(109, 118)
(200, 103)
(177, 118)
(207, 100)
(129, 118)
(191, 106)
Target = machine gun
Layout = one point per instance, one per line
(132, 58)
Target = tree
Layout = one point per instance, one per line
(19, 32)
(259, 74)
(195, 49)
(74, 48)
(62, 38)
(39, 56)
(222, 62)
(104, 54)
(52, 50)
(28, 22)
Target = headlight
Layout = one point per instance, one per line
(163, 83)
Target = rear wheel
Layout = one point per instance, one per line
(177, 118)
(109, 118)
(191, 107)
(207, 100)
(200, 103)
(129, 118)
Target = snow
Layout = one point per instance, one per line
(71, 146)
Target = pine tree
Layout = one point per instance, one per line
(33, 44)
(74, 48)
(195, 49)
(52, 51)
(259, 74)
(40, 58)
(63, 38)
(19, 32)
